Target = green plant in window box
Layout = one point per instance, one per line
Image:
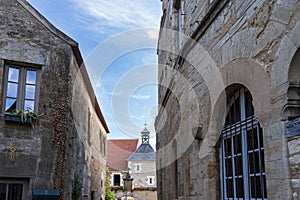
(26, 116)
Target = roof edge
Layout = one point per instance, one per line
(89, 86)
(46, 23)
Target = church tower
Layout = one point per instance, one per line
(145, 135)
(142, 165)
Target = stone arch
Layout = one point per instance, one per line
(292, 106)
(250, 74)
(286, 51)
(244, 72)
(294, 70)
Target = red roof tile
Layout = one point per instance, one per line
(118, 151)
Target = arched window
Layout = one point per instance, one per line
(292, 108)
(242, 153)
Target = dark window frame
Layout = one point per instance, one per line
(21, 84)
(22, 182)
(118, 181)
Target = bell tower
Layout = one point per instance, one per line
(145, 135)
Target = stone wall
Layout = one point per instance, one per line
(63, 141)
(225, 43)
(91, 135)
(137, 193)
(147, 168)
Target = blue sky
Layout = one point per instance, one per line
(117, 39)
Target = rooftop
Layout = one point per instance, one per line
(144, 152)
(118, 152)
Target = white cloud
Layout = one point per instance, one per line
(139, 96)
(151, 59)
(153, 33)
(138, 120)
(103, 15)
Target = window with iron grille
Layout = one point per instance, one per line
(242, 151)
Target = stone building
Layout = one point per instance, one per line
(229, 90)
(142, 168)
(62, 151)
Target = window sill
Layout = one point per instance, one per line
(16, 119)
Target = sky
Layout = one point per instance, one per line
(118, 40)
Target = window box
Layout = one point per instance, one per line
(38, 193)
(17, 119)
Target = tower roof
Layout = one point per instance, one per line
(144, 152)
(145, 130)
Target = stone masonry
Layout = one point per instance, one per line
(69, 136)
(206, 49)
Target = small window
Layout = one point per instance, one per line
(117, 180)
(104, 146)
(92, 195)
(150, 180)
(89, 126)
(138, 167)
(20, 88)
(101, 143)
(145, 139)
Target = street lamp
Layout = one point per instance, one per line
(127, 185)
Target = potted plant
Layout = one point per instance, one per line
(21, 116)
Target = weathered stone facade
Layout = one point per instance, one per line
(226, 45)
(69, 136)
(146, 171)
